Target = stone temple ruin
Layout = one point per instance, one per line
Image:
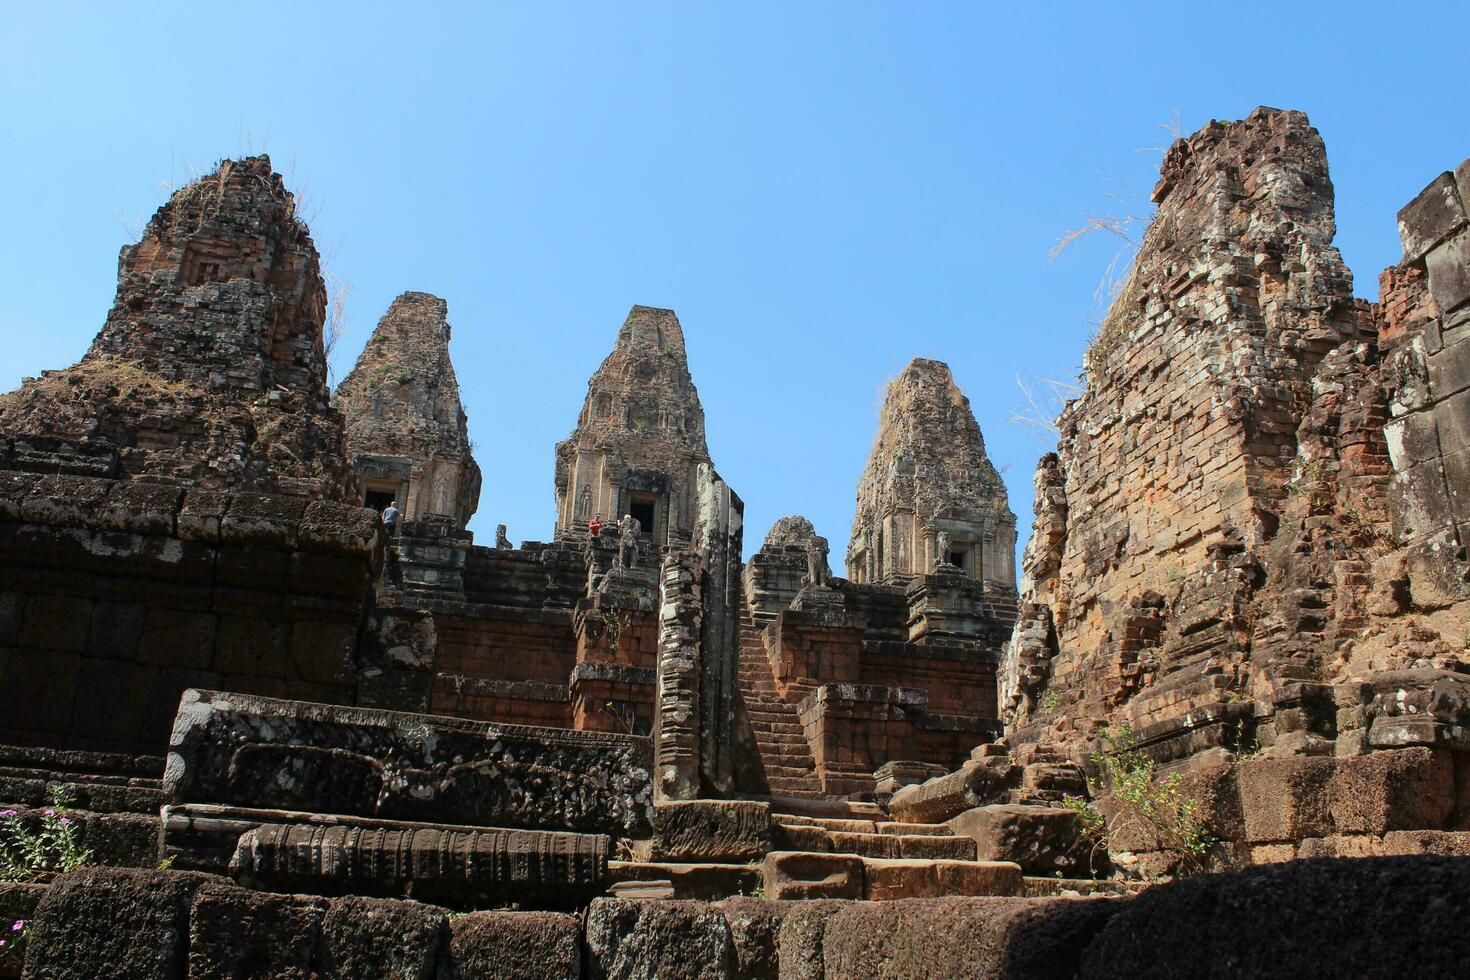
(297, 746)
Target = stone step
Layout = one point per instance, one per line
(706, 882)
(781, 808)
(1038, 886)
(888, 879)
(915, 829)
(800, 875)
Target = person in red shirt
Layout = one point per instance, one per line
(594, 526)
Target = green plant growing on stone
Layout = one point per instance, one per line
(639, 425)
(40, 852)
(1156, 802)
(1050, 702)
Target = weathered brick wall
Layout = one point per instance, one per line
(1249, 530)
(116, 596)
(210, 370)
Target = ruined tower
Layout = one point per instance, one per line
(928, 482)
(639, 441)
(407, 434)
(209, 370)
(1184, 475)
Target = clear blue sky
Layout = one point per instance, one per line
(821, 190)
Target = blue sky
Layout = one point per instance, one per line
(821, 190)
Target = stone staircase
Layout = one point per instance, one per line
(779, 854)
(786, 757)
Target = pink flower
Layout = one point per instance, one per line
(7, 813)
(50, 811)
(64, 821)
(19, 925)
(2, 942)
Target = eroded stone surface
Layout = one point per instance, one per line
(229, 748)
(929, 482)
(407, 434)
(209, 371)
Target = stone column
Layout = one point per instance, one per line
(676, 723)
(718, 535)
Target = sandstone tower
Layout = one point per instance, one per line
(406, 431)
(209, 370)
(1213, 562)
(639, 441)
(927, 482)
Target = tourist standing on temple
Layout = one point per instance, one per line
(594, 526)
(390, 517)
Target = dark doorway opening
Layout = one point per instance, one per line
(643, 511)
(377, 499)
(957, 559)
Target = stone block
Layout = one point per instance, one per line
(177, 639)
(1449, 369)
(706, 882)
(113, 922)
(1366, 917)
(433, 769)
(939, 799)
(235, 932)
(40, 689)
(800, 939)
(382, 939)
(755, 932)
(322, 653)
(333, 528)
(1431, 217)
(799, 837)
(1407, 789)
(1009, 938)
(200, 515)
(509, 945)
(450, 867)
(262, 519)
(139, 508)
(887, 879)
(116, 630)
(1040, 839)
(1285, 799)
(803, 875)
(1452, 418)
(12, 607)
(56, 622)
(627, 939)
(1449, 273)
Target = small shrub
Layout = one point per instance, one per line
(41, 853)
(1155, 801)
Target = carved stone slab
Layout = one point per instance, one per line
(290, 755)
(434, 864)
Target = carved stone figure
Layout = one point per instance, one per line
(941, 548)
(817, 572)
(584, 501)
(502, 540)
(628, 543)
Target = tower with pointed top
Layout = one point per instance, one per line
(639, 440)
(929, 498)
(407, 434)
